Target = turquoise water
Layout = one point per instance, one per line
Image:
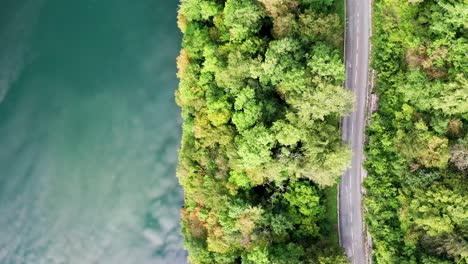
(89, 132)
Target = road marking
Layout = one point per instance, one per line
(355, 75)
(349, 204)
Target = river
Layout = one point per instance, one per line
(89, 132)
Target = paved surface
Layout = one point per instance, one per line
(357, 57)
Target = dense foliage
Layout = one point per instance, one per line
(261, 96)
(418, 151)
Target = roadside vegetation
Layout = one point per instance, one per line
(417, 158)
(261, 96)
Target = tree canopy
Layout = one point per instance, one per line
(261, 93)
(417, 156)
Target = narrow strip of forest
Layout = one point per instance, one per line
(417, 158)
(261, 93)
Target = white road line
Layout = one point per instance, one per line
(355, 75)
(349, 204)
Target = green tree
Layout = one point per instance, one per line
(286, 133)
(453, 98)
(243, 18)
(254, 146)
(326, 63)
(248, 109)
(256, 256)
(305, 207)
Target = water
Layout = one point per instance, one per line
(89, 132)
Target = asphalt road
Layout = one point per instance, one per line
(350, 197)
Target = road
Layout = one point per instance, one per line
(357, 66)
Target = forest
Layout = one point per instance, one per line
(417, 156)
(261, 93)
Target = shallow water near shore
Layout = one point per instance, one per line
(89, 132)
